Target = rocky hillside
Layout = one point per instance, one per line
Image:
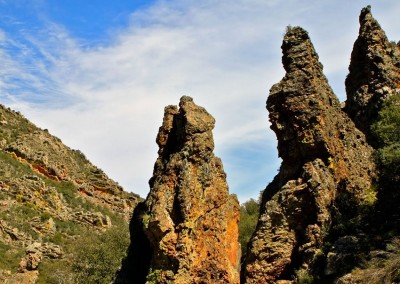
(49, 195)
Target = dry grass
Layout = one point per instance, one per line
(383, 268)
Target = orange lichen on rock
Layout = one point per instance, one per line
(188, 225)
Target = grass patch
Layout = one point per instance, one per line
(10, 257)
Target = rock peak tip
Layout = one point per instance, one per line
(186, 99)
(364, 12)
(296, 33)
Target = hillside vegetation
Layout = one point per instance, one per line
(60, 216)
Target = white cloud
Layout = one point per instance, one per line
(2, 36)
(108, 100)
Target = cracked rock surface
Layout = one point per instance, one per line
(188, 225)
(325, 159)
(374, 73)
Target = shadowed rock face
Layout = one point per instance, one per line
(188, 225)
(374, 73)
(324, 158)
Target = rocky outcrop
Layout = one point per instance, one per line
(186, 231)
(48, 156)
(34, 254)
(374, 73)
(326, 170)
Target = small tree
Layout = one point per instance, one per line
(249, 212)
(387, 131)
(98, 256)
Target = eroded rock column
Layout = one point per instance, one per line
(374, 73)
(188, 225)
(325, 159)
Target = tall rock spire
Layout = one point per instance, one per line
(188, 225)
(374, 73)
(324, 157)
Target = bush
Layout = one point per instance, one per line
(55, 272)
(92, 258)
(387, 132)
(303, 277)
(249, 212)
(98, 256)
(10, 257)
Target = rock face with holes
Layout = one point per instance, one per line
(186, 231)
(326, 170)
(374, 73)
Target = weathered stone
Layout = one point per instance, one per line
(374, 73)
(324, 157)
(188, 225)
(96, 219)
(28, 277)
(34, 254)
(9, 234)
(30, 262)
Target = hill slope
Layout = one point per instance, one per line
(50, 195)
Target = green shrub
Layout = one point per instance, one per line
(91, 258)
(55, 272)
(387, 132)
(97, 256)
(303, 277)
(249, 212)
(10, 257)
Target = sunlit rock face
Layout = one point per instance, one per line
(186, 231)
(324, 159)
(374, 73)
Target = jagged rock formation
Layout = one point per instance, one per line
(374, 73)
(49, 195)
(186, 231)
(327, 170)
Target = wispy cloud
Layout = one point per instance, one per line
(108, 100)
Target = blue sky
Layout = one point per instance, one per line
(98, 74)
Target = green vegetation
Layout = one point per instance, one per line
(97, 257)
(93, 257)
(387, 131)
(10, 165)
(19, 218)
(10, 257)
(303, 277)
(249, 212)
